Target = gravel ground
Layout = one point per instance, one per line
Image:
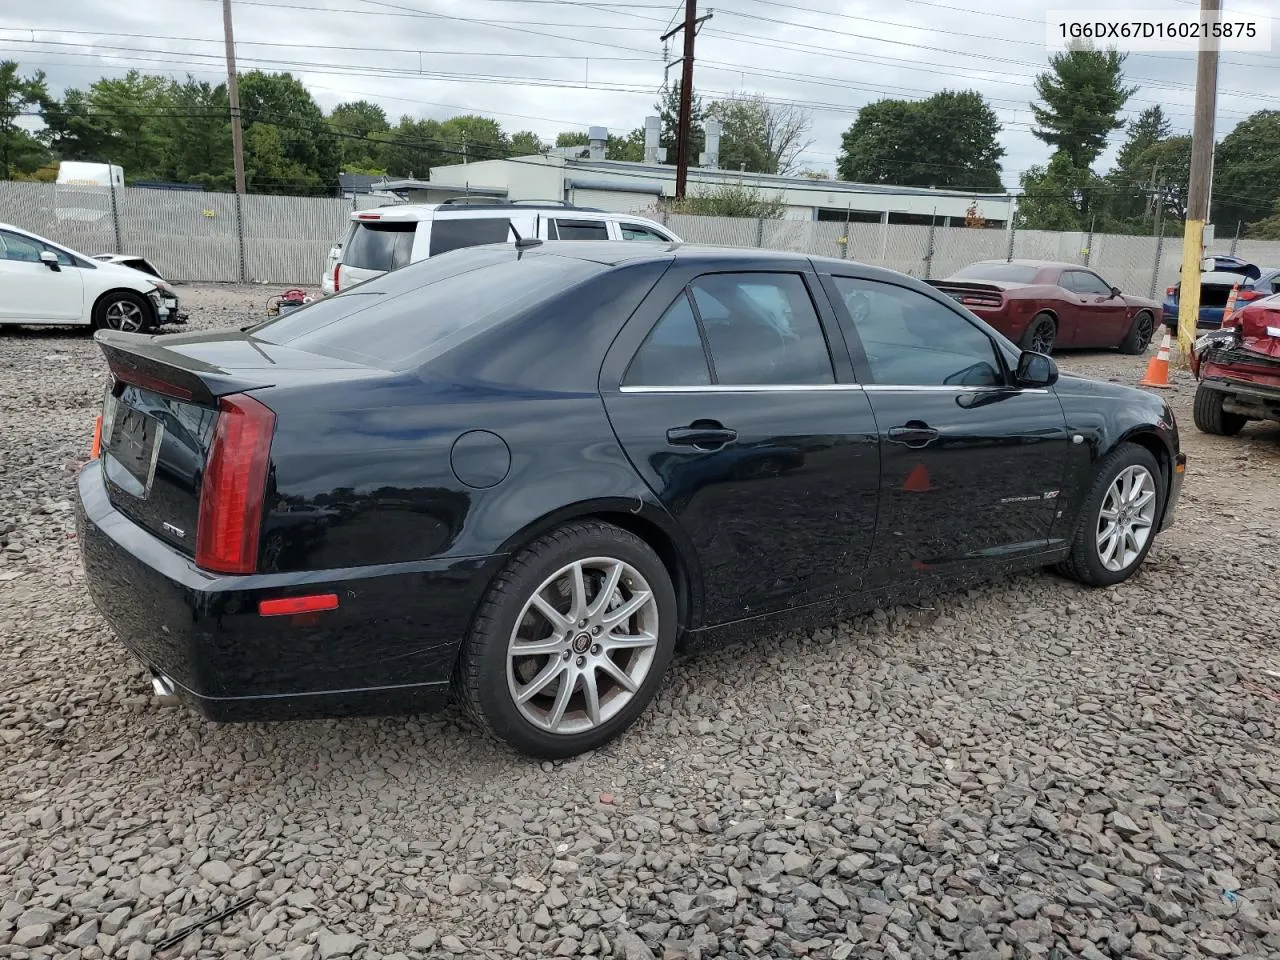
(1030, 769)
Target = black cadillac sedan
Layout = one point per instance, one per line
(529, 475)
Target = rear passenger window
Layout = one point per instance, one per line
(672, 355)
(762, 329)
(633, 231)
(581, 230)
(449, 235)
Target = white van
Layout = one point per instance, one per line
(388, 238)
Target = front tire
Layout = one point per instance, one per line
(1211, 418)
(123, 310)
(1119, 518)
(571, 641)
(1139, 336)
(1040, 335)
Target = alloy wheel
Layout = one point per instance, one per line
(1042, 339)
(582, 646)
(1126, 518)
(123, 315)
(1146, 327)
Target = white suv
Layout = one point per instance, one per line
(388, 238)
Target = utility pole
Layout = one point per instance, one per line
(1201, 181)
(683, 133)
(233, 95)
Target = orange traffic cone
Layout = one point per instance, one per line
(917, 480)
(1230, 308)
(1158, 368)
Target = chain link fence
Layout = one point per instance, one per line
(193, 236)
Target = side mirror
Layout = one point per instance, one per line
(1115, 291)
(50, 260)
(1036, 370)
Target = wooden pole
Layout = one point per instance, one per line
(1198, 191)
(233, 95)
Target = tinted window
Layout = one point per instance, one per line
(912, 340)
(582, 230)
(379, 246)
(400, 320)
(762, 329)
(1009, 272)
(672, 355)
(16, 247)
(633, 231)
(449, 235)
(1087, 283)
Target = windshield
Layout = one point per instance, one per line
(1008, 272)
(400, 320)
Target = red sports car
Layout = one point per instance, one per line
(1040, 305)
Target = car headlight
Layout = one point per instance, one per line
(164, 287)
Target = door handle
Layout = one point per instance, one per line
(702, 434)
(915, 433)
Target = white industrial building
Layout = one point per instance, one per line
(583, 177)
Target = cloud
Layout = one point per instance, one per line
(550, 66)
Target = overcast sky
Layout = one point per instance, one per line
(553, 65)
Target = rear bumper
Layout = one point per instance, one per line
(389, 647)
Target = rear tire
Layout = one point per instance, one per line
(560, 598)
(1140, 334)
(1040, 335)
(1119, 519)
(123, 310)
(1211, 418)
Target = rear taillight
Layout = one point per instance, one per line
(1170, 291)
(234, 486)
(337, 271)
(1244, 296)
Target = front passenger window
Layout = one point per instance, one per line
(912, 340)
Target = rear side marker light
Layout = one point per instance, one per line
(97, 438)
(234, 486)
(291, 605)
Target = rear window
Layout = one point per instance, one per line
(449, 235)
(1008, 272)
(399, 321)
(379, 246)
(1226, 278)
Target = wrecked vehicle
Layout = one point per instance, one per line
(1238, 369)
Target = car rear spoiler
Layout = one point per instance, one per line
(139, 359)
(975, 286)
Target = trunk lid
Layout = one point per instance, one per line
(162, 407)
(976, 293)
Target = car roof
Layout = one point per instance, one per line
(613, 253)
(431, 211)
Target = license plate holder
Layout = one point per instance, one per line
(134, 443)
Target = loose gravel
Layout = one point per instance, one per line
(1026, 770)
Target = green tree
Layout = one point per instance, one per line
(759, 136)
(1133, 178)
(1083, 92)
(411, 148)
(473, 138)
(1268, 229)
(1246, 171)
(1059, 196)
(668, 111)
(731, 200)
(198, 140)
(307, 149)
(121, 120)
(948, 140)
(1144, 132)
(526, 143)
(20, 151)
(361, 128)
